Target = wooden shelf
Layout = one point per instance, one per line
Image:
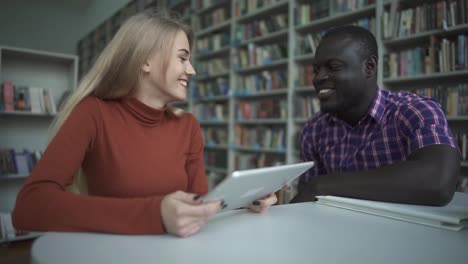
(337, 19)
(216, 169)
(210, 54)
(457, 118)
(274, 64)
(208, 30)
(265, 121)
(216, 147)
(213, 6)
(264, 11)
(259, 149)
(427, 77)
(305, 89)
(304, 58)
(211, 99)
(206, 77)
(274, 92)
(272, 37)
(213, 123)
(424, 36)
(301, 120)
(175, 4)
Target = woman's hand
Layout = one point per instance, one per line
(183, 214)
(261, 205)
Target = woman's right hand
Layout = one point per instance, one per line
(183, 214)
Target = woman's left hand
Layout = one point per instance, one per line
(261, 205)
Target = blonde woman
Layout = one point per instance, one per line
(143, 161)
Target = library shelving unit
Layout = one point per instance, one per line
(182, 7)
(31, 70)
(253, 92)
(90, 46)
(424, 48)
(211, 91)
(260, 82)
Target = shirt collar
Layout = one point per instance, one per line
(377, 108)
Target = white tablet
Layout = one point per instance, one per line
(243, 187)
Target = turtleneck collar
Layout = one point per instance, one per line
(147, 115)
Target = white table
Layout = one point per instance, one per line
(298, 233)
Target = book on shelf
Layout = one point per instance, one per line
(270, 108)
(17, 163)
(261, 27)
(257, 160)
(441, 55)
(306, 106)
(452, 98)
(216, 158)
(453, 216)
(215, 136)
(216, 87)
(211, 111)
(27, 99)
(259, 55)
(245, 7)
(440, 15)
(258, 137)
(308, 12)
(8, 96)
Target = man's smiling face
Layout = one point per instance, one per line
(339, 79)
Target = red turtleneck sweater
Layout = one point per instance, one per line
(132, 155)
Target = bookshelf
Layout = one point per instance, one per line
(428, 56)
(212, 88)
(236, 66)
(261, 83)
(29, 71)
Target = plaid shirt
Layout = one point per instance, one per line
(396, 125)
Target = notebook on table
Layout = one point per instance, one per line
(453, 216)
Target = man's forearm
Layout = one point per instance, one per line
(427, 181)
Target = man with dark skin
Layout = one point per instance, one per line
(370, 143)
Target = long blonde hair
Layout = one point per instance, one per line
(117, 69)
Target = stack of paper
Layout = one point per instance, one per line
(453, 216)
(8, 233)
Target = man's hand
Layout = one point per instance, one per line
(183, 214)
(308, 193)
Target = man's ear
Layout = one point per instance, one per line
(370, 69)
(146, 67)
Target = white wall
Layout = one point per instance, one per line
(52, 25)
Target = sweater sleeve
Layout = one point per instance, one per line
(195, 164)
(44, 204)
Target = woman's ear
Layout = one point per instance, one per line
(146, 67)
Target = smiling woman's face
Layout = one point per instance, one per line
(179, 70)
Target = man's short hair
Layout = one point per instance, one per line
(365, 38)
